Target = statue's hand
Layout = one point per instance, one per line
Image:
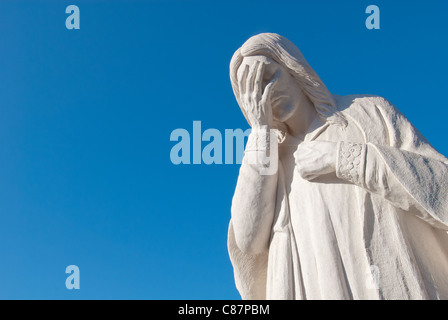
(316, 158)
(256, 102)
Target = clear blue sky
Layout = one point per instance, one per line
(86, 117)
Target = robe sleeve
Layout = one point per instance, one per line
(250, 271)
(407, 171)
(253, 203)
(252, 211)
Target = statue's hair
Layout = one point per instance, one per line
(285, 53)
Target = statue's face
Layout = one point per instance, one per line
(286, 95)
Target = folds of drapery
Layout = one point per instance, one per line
(400, 167)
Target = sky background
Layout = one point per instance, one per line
(86, 117)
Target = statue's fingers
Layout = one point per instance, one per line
(258, 83)
(251, 77)
(306, 172)
(241, 75)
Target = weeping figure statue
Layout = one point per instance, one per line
(356, 206)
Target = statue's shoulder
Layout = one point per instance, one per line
(366, 107)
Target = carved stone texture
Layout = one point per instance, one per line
(357, 205)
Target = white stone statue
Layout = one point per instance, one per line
(358, 206)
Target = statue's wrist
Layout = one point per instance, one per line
(259, 138)
(350, 162)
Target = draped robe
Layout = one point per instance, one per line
(374, 229)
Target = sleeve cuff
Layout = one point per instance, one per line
(350, 162)
(259, 139)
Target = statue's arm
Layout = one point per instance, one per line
(414, 179)
(406, 171)
(253, 203)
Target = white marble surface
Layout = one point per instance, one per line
(357, 206)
